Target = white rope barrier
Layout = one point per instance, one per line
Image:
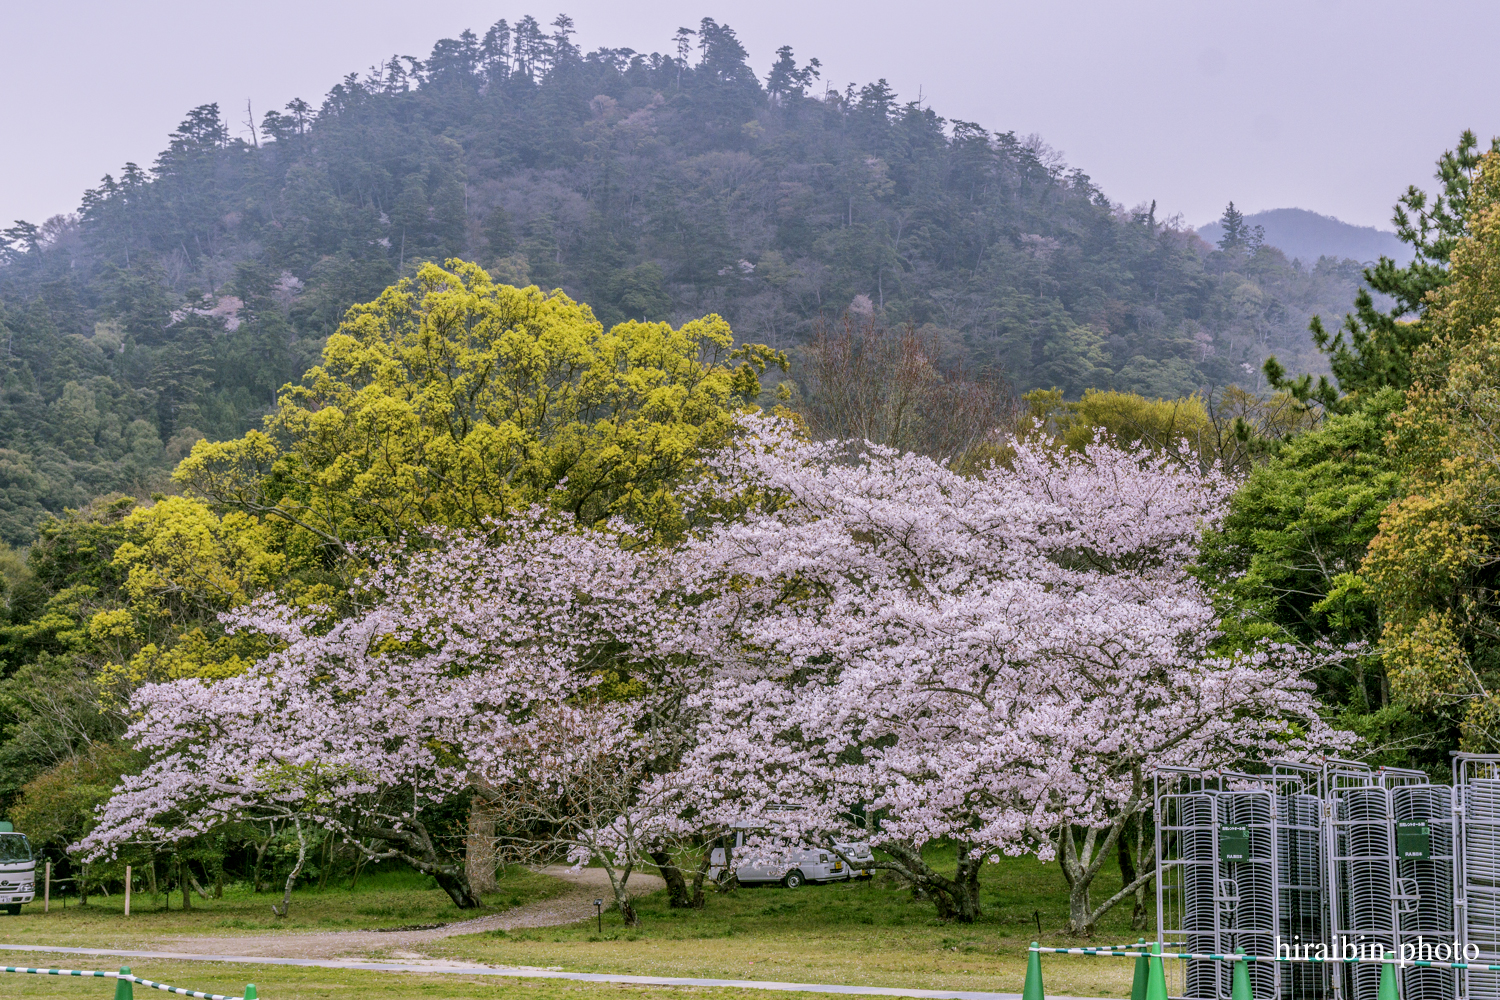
(249, 991)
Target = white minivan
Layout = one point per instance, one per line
(804, 864)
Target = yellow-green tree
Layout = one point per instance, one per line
(1231, 427)
(451, 399)
(182, 564)
(1433, 563)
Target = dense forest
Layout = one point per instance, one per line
(181, 296)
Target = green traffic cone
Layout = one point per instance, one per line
(250, 991)
(1240, 983)
(1388, 980)
(1138, 987)
(1033, 988)
(1156, 979)
(124, 988)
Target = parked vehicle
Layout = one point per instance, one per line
(805, 864)
(17, 870)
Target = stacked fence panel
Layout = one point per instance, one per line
(1251, 918)
(1299, 874)
(1373, 861)
(1364, 863)
(1478, 880)
(1187, 908)
(1424, 888)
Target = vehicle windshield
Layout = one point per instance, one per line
(14, 847)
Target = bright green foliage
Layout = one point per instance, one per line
(183, 565)
(451, 399)
(118, 594)
(1286, 562)
(178, 552)
(1231, 428)
(1433, 564)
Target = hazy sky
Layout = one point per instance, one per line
(1334, 106)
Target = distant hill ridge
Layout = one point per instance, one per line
(1306, 235)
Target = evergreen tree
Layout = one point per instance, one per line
(1373, 348)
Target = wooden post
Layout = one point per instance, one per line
(47, 890)
(127, 890)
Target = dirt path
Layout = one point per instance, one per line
(577, 903)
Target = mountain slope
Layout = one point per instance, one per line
(659, 187)
(1306, 236)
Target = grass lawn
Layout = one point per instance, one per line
(854, 933)
(383, 900)
(290, 983)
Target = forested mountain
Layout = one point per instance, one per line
(180, 296)
(1307, 236)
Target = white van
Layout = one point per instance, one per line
(805, 864)
(17, 870)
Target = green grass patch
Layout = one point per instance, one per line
(292, 983)
(869, 933)
(864, 933)
(388, 899)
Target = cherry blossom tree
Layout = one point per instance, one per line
(911, 655)
(905, 654)
(582, 778)
(448, 681)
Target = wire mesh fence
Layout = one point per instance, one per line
(1317, 871)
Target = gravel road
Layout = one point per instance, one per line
(588, 884)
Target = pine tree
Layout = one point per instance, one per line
(1373, 348)
(1236, 235)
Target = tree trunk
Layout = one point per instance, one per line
(617, 882)
(956, 898)
(422, 856)
(291, 879)
(1141, 857)
(187, 891)
(700, 876)
(965, 890)
(327, 864)
(677, 891)
(151, 881)
(479, 849)
(197, 887)
(455, 883)
(1081, 862)
(1080, 913)
(261, 846)
(359, 864)
(1125, 853)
